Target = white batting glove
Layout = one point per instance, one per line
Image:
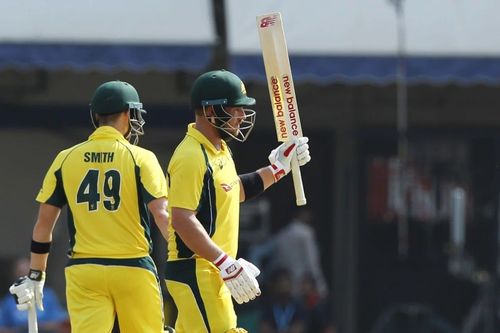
(239, 277)
(249, 267)
(28, 290)
(281, 157)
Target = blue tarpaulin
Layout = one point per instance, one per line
(104, 57)
(195, 58)
(379, 69)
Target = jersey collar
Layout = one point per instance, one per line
(107, 132)
(198, 136)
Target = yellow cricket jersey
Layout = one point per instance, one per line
(204, 179)
(106, 183)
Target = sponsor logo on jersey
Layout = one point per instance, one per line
(229, 187)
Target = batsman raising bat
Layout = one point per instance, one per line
(205, 192)
(281, 88)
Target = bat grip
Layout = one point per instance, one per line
(300, 196)
(32, 319)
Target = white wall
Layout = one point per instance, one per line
(434, 27)
(117, 21)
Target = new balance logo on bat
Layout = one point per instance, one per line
(267, 21)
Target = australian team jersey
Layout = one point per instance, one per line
(106, 183)
(204, 179)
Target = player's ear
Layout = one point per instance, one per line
(210, 113)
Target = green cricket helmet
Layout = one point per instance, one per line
(222, 89)
(115, 97)
(220, 85)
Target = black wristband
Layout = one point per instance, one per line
(40, 248)
(252, 184)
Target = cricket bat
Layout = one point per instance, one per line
(32, 319)
(281, 88)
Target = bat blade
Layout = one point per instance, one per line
(281, 88)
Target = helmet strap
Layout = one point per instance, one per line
(93, 118)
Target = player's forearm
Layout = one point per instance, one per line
(39, 261)
(195, 237)
(42, 234)
(158, 208)
(161, 221)
(254, 183)
(198, 241)
(267, 176)
(47, 218)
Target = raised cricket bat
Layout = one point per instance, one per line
(281, 88)
(32, 319)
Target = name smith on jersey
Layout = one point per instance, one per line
(98, 157)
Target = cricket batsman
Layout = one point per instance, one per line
(205, 192)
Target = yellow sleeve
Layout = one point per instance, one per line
(52, 191)
(185, 181)
(152, 177)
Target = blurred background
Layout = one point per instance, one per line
(400, 102)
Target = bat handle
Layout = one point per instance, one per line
(300, 196)
(32, 319)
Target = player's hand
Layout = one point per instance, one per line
(28, 290)
(281, 157)
(240, 278)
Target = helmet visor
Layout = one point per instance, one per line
(237, 127)
(136, 121)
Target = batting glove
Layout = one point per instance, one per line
(28, 290)
(281, 157)
(239, 277)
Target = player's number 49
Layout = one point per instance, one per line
(88, 191)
